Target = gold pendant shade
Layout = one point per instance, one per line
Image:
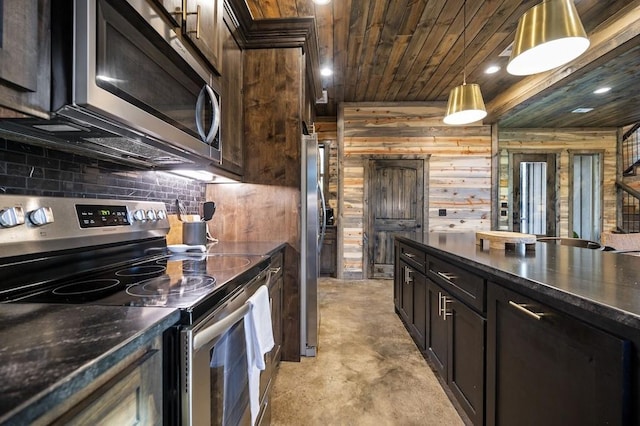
(549, 35)
(465, 105)
(465, 102)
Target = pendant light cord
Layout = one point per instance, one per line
(464, 43)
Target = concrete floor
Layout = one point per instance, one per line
(368, 371)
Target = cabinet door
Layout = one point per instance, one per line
(406, 293)
(328, 253)
(203, 27)
(545, 367)
(133, 396)
(420, 310)
(232, 117)
(173, 9)
(466, 357)
(397, 281)
(437, 335)
(25, 57)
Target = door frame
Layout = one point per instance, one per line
(556, 153)
(601, 155)
(366, 211)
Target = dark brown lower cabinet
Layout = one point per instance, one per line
(328, 253)
(406, 293)
(545, 367)
(455, 345)
(420, 310)
(412, 289)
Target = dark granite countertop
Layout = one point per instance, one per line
(262, 248)
(49, 351)
(591, 281)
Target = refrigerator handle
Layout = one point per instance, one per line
(323, 218)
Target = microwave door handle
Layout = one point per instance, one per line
(205, 336)
(207, 91)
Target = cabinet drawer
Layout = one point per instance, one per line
(461, 283)
(413, 256)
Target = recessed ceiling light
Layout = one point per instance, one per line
(492, 69)
(582, 110)
(601, 90)
(322, 1)
(326, 71)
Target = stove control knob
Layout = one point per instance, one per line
(161, 215)
(12, 216)
(151, 215)
(41, 216)
(139, 216)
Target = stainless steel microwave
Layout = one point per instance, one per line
(124, 86)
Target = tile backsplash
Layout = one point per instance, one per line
(34, 170)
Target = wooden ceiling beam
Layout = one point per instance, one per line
(605, 40)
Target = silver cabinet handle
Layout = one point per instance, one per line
(523, 308)
(409, 255)
(443, 301)
(275, 270)
(447, 276)
(207, 91)
(408, 279)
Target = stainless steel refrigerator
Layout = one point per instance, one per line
(313, 229)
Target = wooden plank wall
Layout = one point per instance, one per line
(459, 169)
(562, 141)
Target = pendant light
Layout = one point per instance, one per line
(465, 102)
(549, 34)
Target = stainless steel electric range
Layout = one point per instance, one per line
(114, 252)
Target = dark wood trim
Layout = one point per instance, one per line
(495, 177)
(279, 33)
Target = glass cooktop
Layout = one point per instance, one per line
(176, 281)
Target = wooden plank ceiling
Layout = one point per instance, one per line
(412, 50)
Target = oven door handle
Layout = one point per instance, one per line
(205, 336)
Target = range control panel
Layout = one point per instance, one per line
(95, 216)
(31, 224)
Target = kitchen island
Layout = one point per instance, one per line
(541, 336)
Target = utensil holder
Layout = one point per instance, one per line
(194, 233)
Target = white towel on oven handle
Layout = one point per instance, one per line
(259, 337)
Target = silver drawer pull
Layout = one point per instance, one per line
(410, 255)
(408, 279)
(448, 276)
(523, 308)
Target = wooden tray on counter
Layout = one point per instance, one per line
(502, 240)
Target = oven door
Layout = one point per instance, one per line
(216, 384)
(130, 67)
(215, 379)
